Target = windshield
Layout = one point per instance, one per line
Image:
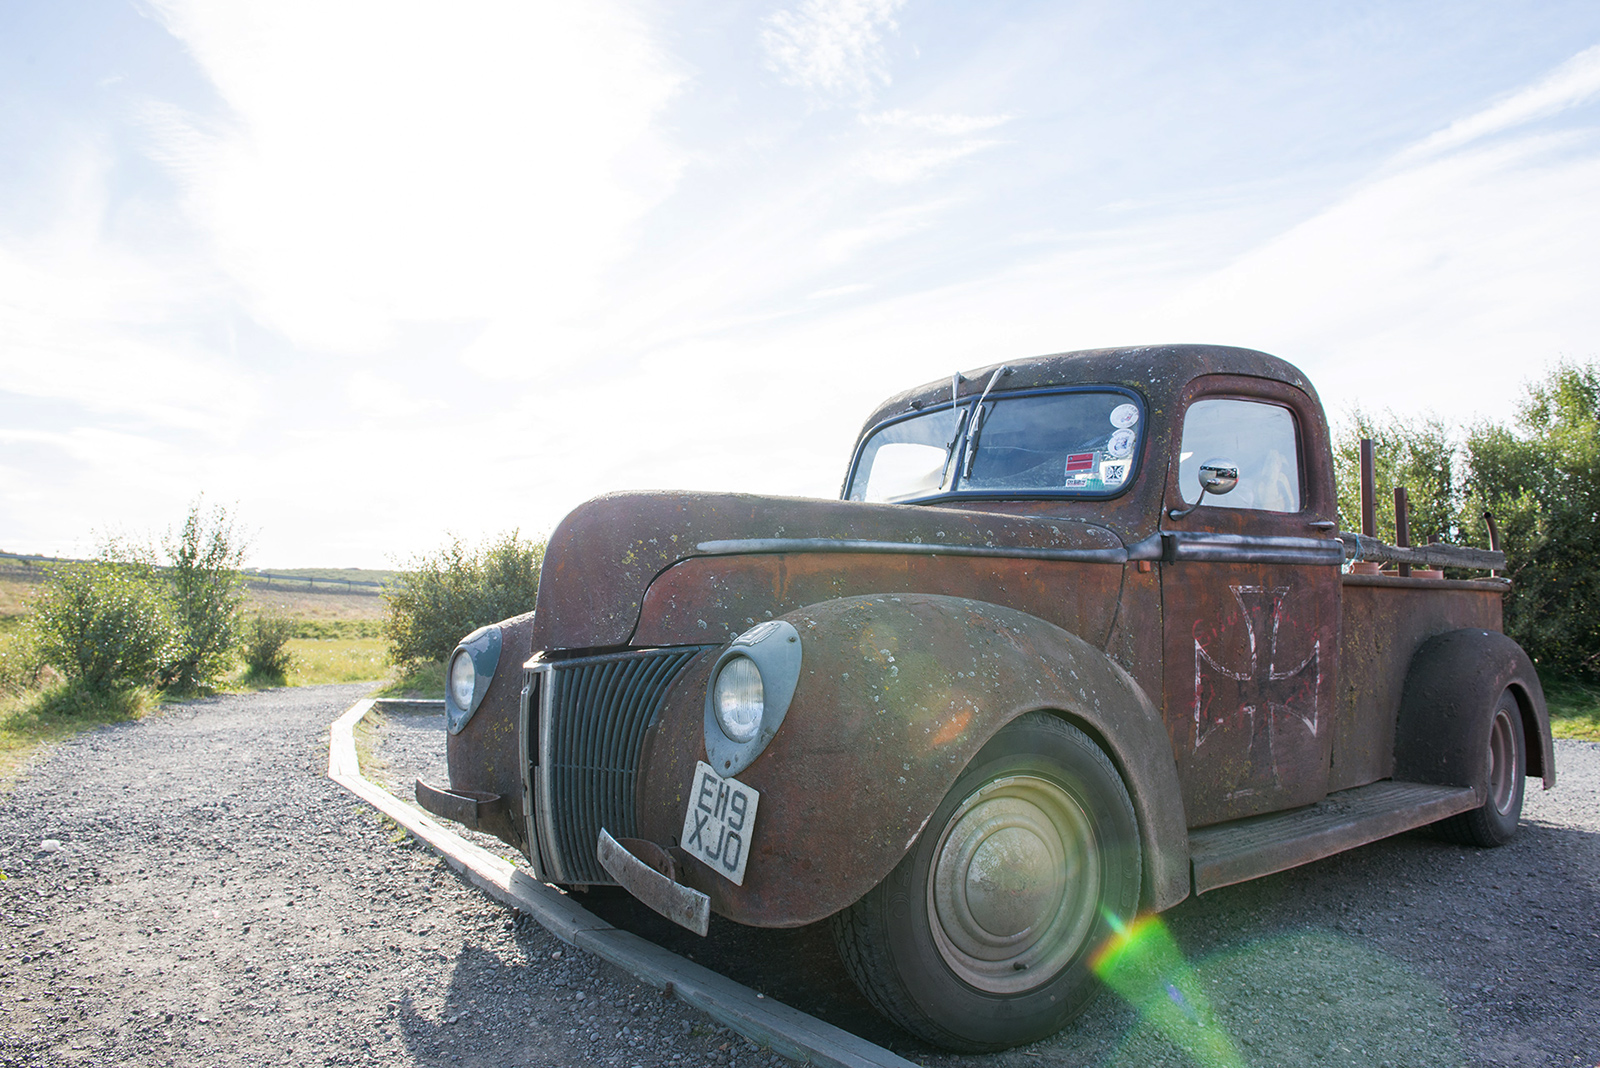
(1078, 443)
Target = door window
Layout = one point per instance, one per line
(1257, 437)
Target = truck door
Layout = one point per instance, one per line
(1250, 609)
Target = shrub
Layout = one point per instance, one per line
(207, 590)
(266, 646)
(20, 668)
(104, 624)
(440, 598)
(1541, 479)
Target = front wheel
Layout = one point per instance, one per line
(1494, 823)
(981, 936)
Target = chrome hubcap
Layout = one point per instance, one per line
(1502, 762)
(1015, 884)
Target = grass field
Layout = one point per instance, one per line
(1574, 708)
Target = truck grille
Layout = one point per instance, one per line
(592, 726)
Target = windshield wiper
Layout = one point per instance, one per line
(946, 477)
(975, 424)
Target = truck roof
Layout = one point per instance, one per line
(1159, 372)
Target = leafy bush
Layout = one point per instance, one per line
(1541, 479)
(105, 625)
(1419, 454)
(207, 590)
(20, 667)
(440, 598)
(266, 646)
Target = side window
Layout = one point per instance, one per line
(1258, 437)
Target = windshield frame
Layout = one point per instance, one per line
(1008, 494)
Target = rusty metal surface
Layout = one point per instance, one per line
(646, 871)
(485, 756)
(1386, 620)
(1260, 846)
(1359, 547)
(471, 809)
(1251, 649)
(897, 695)
(604, 555)
(721, 596)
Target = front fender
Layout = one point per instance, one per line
(897, 693)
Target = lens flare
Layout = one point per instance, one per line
(1144, 966)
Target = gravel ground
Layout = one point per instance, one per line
(214, 899)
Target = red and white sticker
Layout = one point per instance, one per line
(1080, 461)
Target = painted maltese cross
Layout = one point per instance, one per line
(1264, 691)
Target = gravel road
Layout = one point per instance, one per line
(191, 889)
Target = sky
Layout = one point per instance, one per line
(373, 275)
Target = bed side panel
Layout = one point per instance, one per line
(1385, 622)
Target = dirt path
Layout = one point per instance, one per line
(214, 899)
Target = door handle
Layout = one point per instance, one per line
(1322, 524)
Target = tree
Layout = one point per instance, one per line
(203, 572)
(444, 596)
(1419, 454)
(1541, 479)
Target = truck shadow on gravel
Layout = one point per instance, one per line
(1410, 951)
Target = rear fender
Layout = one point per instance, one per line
(897, 693)
(1443, 731)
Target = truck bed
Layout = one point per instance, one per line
(1384, 620)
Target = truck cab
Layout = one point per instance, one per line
(1080, 637)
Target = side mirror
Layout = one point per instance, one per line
(1217, 477)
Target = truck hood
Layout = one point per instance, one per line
(606, 552)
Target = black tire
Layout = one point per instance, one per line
(957, 945)
(1495, 822)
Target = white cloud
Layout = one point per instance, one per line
(832, 47)
(384, 164)
(909, 147)
(945, 125)
(1569, 85)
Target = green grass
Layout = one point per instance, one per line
(1574, 708)
(37, 718)
(319, 660)
(421, 679)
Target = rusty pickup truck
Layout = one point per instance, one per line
(1082, 637)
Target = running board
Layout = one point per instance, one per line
(1244, 849)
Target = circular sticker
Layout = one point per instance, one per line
(1121, 442)
(1124, 415)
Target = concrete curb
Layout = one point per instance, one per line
(768, 1023)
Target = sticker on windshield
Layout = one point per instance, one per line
(1124, 415)
(1114, 472)
(1121, 443)
(1080, 462)
(1075, 482)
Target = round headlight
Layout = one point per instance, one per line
(739, 699)
(463, 680)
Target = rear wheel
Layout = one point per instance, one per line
(980, 938)
(1495, 822)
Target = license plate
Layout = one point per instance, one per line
(717, 826)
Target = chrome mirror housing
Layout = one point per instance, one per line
(1219, 476)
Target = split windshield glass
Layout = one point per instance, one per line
(1074, 443)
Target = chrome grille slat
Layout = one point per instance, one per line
(599, 709)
